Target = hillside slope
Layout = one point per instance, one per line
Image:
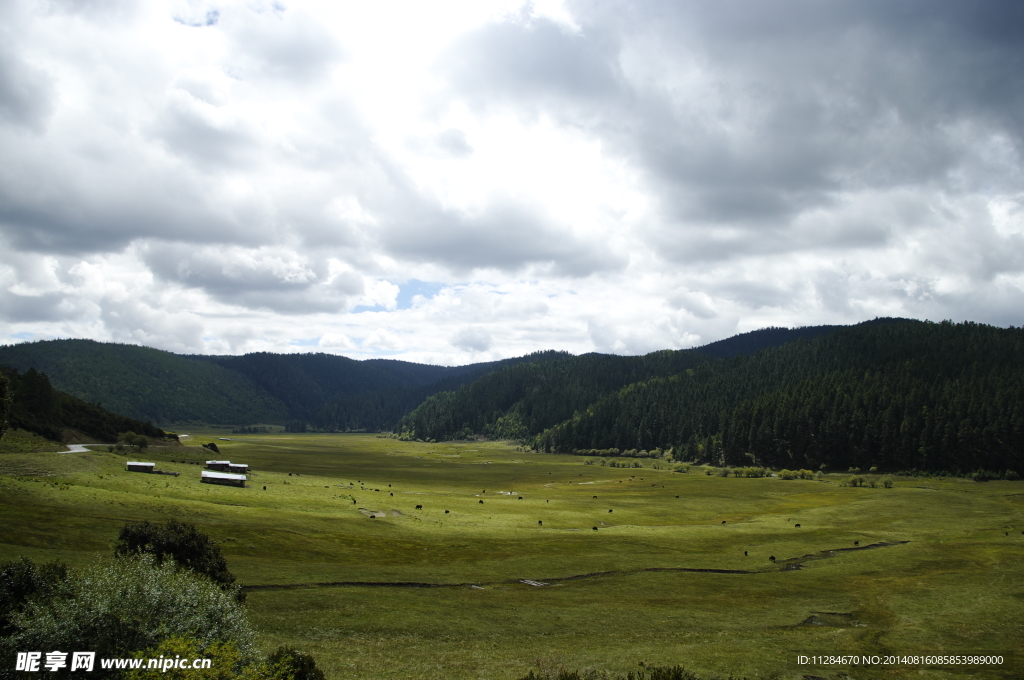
(38, 408)
(382, 409)
(146, 384)
(523, 400)
(898, 395)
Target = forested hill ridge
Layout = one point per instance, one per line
(905, 395)
(381, 409)
(520, 401)
(145, 383)
(333, 392)
(328, 392)
(33, 405)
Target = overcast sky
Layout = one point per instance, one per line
(451, 182)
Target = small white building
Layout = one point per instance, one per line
(135, 466)
(225, 478)
(238, 468)
(219, 465)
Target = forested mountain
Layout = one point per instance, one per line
(37, 407)
(305, 382)
(898, 395)
(754, 341)
(516, 401)
(524, 400)
(382, 409)
(147, 384)
(331, 392)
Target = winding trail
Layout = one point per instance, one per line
(790, 564)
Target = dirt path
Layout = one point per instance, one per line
(790, 564)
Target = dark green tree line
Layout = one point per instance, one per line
(908, 395)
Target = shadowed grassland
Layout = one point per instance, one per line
(948, 578)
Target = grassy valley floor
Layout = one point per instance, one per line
(341, 563)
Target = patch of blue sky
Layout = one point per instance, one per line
(304, 342)
(413, 287)
(369, 308)
(24, 335)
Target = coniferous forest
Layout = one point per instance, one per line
(897, 396)
(33, 405)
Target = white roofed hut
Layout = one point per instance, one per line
(218, 465)
(135, 466)
(223, 478)
(238, 468)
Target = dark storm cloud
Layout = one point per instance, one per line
(17, 308)
(103, 208)
(25, 91)
(508, 237)
(744, 116)
(528, 61)
(265, 278)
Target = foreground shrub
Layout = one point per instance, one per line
(294, 665)
(21, 581)
(118, 608)
(188, 547)
(227, 661)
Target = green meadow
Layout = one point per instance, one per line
(341, 563)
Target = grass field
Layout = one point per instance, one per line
(421, 593)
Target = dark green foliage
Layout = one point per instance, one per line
(305, 382)
(522, 400)
(519, 401)
(330, 392)
(187, 546)
(212, 446)
(123, 607)
(755, 341)
(146, 384)
(38, 407)
(21, 581)
(295, 664)
(894, 395)
(381, 409)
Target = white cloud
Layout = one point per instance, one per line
(246, 175)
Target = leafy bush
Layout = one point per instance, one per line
(21, 581)
(227, 662)
(723, 472)
(887, 482)
(129, 604)
(295, 665)
(188, 547)
(1011, 475)
(854, 480)
(788, 474)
